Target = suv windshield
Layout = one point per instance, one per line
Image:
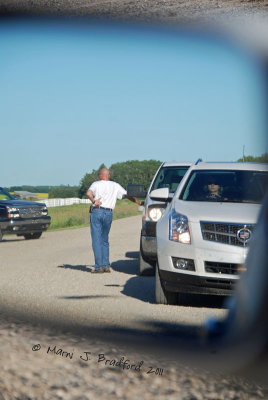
(225, 185)
(169, 177)
(4, 195)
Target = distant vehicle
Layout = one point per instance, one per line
(203, 237)
(23, 218)
(169, 175)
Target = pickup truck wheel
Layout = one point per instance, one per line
(35, 235)
(1, 236)
(145, 268)
(162, 296)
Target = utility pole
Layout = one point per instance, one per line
(243, 153)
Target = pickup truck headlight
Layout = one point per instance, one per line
(12, 212)
(178, 228)
(44, 211)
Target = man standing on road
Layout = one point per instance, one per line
(103, 195)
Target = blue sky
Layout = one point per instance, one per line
(74, 98)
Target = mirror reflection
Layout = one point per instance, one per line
(78, 96)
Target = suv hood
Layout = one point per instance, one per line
(197, 211)
(21, 203)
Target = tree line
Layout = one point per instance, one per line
(31, 189)
(62, 191)
(260, 159)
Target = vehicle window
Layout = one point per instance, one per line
(228, 186)
(169, 177)
(4, 195)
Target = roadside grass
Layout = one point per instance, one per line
(78, 216)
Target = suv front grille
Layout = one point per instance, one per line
(30, 212)
(222, 268)
(227, 233)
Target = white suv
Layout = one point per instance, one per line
(203, 237)
(169, 175)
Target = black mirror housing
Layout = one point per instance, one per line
(135, 190)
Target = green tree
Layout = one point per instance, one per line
(128, 172)
(134, 172)
(260, 159)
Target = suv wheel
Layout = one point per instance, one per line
(145, 268)
(35, 235)
(162, 296)
(1, 236)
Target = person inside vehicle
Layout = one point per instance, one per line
(214, 190)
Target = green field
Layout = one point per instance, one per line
(77, 215)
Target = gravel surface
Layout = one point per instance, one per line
(49, 279)
(141, 10)
(28, 373)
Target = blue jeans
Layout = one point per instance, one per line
(100, 224)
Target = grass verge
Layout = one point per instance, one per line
(78, 216)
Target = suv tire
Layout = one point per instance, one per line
(1, 236)
(35, 235)
(145, 268)
(162, 296)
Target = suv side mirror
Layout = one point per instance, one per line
(160, 195)
(134, 190)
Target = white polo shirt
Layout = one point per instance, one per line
(108, 191)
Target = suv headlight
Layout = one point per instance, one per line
(178, 228)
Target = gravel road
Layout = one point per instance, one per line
(141, 10)
(50, 278)
(60, 325)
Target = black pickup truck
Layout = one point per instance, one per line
(23, 218)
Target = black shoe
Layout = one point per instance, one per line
(98, 271)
